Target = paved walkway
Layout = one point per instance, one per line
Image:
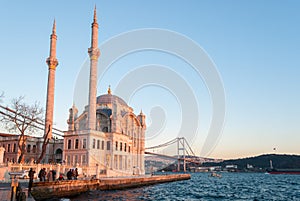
(5, 192)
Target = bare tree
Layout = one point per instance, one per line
(44, 146)
(23, 119)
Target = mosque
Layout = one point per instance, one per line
(107, 133)
(107, 136)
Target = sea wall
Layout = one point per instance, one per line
(65, 188)
(46, 190)
(122, 183)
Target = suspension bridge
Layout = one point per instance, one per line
(184, 152)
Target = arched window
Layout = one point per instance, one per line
(76, 143)
(15, 148)
(83, 159)
(69, 144)
(58, 155)
(102, 145)
(84, 144)
(105, 129)
(34, 149)
(94, 143)
(108, 145)
(98, 144)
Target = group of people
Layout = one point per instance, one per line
(50, 176)
(72, 174)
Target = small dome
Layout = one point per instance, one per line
(109, 98)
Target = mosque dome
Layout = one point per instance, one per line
(109, 99)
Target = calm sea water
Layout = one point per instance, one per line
(232, 186)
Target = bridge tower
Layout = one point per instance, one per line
(181, 153)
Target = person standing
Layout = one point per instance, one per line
(76, 173)
(53, 175)
(41, 175)
(49, 176)
(31, 177)
(69, 174)
(44, 174)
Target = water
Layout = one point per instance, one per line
(232, 186)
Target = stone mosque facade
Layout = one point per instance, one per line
(107, 134)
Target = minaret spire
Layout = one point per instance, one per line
(53, 39)
(94, 41)
(94, 54)
(95, 14)
(54, 27)
(52, 64)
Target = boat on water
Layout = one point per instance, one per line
(214, 174)
(281, 171)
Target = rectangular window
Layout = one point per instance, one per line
(83, 159)
(94, 143)
(125, 147)
(68, 159)
(108, 145)
(120, 146)
(98, 144)
(116, 145)
(84, 144)
(102, 145)
(76, 144)
(120, 162)
(76, 159)
(69, 144)
(28, 148)
(15, 148)
(8, 148)
(34, 149)
(129, 149)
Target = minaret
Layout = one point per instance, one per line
(94, 54)
(52, 64)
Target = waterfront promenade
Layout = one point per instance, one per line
(67, 188)
(5, 191)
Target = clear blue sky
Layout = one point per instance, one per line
(254, 44)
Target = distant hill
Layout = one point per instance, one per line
(263, 161)
(255, 164)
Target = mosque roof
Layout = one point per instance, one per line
(109, 98)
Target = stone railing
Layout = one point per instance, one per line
(84, 171)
